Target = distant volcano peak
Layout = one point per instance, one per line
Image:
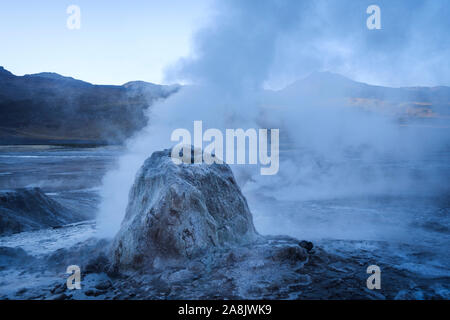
(326, 76)
(4, 72)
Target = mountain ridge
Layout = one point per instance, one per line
(330, 89)
(48, 108)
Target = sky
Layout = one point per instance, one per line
(122, 41)
(118, 41)
(280, 41)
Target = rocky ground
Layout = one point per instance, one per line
(188, 234)
(273, 268)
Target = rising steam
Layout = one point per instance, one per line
(328, 150)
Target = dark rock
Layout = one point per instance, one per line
(10, 257)
(306, 245)
(61, 296)
(60, 288)
(21, 291)
(14, 253)
(30, 209)
(104, 285)
(94, 293)
(291, 253)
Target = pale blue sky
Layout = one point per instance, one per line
(118, 41)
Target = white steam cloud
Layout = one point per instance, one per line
(327, 150)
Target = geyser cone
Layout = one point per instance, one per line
(179, 211)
